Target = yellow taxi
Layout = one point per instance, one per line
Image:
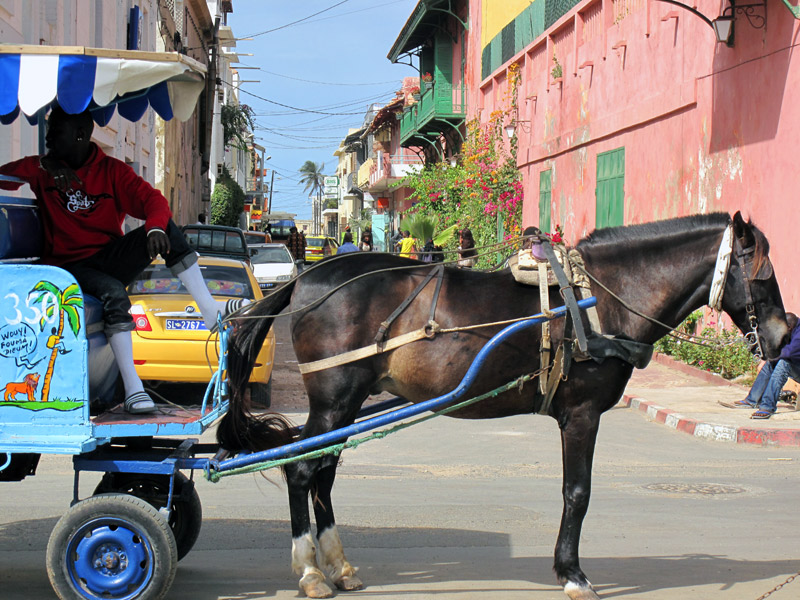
(171, 341)
(319, 246)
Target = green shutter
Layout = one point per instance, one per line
(443, 59)
(610, 191)
(544, 200)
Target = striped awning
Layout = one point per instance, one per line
(33, 78)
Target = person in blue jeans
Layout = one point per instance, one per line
(774, 375)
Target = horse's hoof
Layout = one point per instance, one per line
(313, 587)
(349, 583)
(580, 592)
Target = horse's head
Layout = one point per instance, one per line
(752, 297)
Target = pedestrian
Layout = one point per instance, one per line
(346, 231)
(432, 253)
(767, 387)
(366, 241)
(407, 245)
(83, 197)
(201, 219)
(466, 249)
(347, 244)
(297, 246)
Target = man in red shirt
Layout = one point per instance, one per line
(83, 197)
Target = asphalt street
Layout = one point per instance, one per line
(470, 509)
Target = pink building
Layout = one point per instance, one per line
(631, 111)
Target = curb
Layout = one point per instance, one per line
(709, 431)
(706, 376)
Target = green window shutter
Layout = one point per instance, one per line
(486, 61)
(610, 193)
(443, 59)
(545, 190)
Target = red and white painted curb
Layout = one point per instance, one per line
(709, 431)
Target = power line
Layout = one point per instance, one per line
(298, 109)
(253, 35)
(321, 82)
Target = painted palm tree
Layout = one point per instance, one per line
(66, 303)
(312, 178)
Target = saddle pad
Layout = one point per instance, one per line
(529, 276)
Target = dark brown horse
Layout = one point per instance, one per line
(663, 270)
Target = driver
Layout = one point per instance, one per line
(83, 197)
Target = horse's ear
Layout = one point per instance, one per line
(742, 230)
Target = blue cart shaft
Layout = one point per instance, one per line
(338, 435)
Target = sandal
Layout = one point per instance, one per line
(744, 404)
(139, 403)
(761, 414)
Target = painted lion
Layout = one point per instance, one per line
(27, 387)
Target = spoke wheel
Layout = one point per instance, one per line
(186, 515)
(111, 547)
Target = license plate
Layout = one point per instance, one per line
(266, 286)
(185, 324)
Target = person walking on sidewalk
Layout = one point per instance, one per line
(83, 197)
(773, 376)
(347, 244)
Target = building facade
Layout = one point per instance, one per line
(630, 110)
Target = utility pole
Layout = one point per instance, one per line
(271, 182)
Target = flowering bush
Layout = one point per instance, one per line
(413, 90)
(427, 78)
(483, 192)
(731, 360)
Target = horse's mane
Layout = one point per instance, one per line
(656, 229)
(629, 235)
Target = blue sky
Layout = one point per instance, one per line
(334, 62)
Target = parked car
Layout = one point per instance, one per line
(273, 265)
(319, 246)
(171, 341)
(217, 240)
(257, 237)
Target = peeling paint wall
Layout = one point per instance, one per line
(705, 127)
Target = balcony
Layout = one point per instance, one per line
(441, 107)
(363, 173)
(389, 168)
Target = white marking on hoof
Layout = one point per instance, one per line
(304, 562)
(331, 555)
(577, 591)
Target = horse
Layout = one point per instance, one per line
(649, 277)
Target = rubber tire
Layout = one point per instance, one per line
(133, 512)
(186, 516)
(261, 394)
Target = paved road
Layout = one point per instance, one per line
(453, 510)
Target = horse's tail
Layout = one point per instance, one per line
(240, 429)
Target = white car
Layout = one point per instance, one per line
(273, 265)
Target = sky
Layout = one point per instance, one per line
(315, 78)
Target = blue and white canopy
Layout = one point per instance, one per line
(103, 80)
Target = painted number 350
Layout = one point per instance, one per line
(37, 309)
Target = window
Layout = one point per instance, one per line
(544, 200)
(610, 192)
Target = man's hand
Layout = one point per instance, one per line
(157, 243)
(61, 174)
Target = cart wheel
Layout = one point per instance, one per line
(186, 516)
(261, 394)
(111, 547)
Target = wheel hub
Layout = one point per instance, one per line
(111, 558)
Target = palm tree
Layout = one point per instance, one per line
(66, 303)
(311, 176)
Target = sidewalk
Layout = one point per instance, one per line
(688, 399)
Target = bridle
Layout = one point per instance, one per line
(745, 257)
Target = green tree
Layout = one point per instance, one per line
(312, 178)
(237, 122)
(66, 303)
(227, 200)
